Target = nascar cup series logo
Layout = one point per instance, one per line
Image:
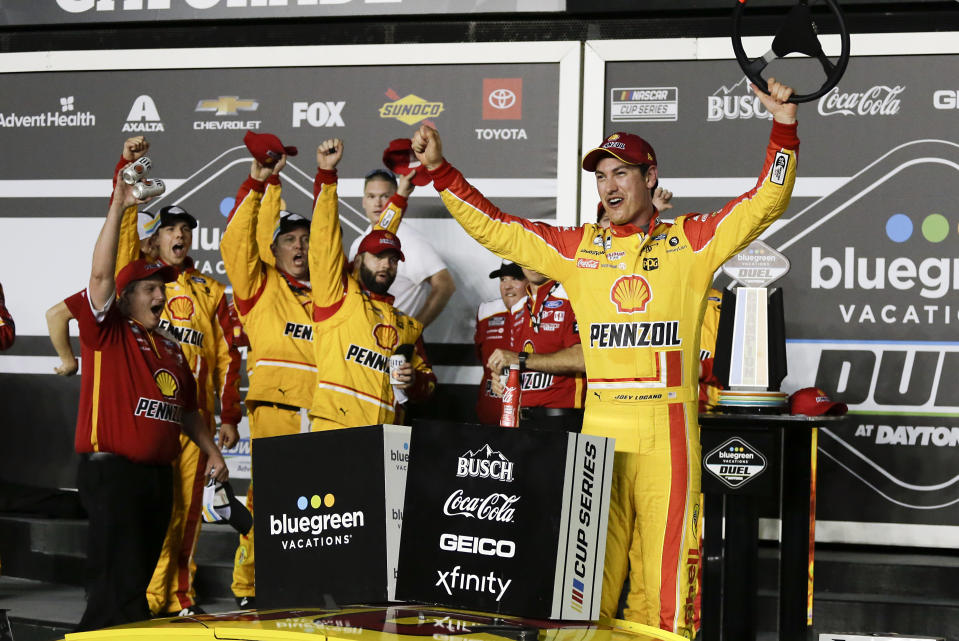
(630, 294)
(316, 524)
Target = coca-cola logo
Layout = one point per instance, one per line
(880, 100)
(495, 507)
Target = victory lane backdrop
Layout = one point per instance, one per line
(872, 233)
(70, 127)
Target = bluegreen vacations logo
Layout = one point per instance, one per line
(324, 528)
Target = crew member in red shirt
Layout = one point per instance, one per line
(494, 320)
(136, 396)
(544, 341)
(7, 328)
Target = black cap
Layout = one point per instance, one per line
(508, 268)
(290, 221)
(170, 214)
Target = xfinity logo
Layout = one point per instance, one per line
(318, 114)
(143, 116)
(477, 545)
(485, 463)
(456, 580)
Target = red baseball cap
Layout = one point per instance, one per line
(266, 148)
(140, 269)
(812, 401)
(400, 159)
(629, 148)
(378, 241)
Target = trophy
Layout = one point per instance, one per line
(750, 359)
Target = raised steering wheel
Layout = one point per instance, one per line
(797, 34)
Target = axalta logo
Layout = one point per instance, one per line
(477, 545)
(737, 102)
(630, 294)
(485, 463)
(410, 109)
(645, 334)
(226, 106)
(316, 530)
(651, 104)
(68, 116)
(946, 99)
(143, 116)
(503, 99)
(367, 358)
(881, 100)
(463, 581)
(319, 114)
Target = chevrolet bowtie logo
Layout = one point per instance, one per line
(227, 105)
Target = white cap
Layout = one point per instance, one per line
(147, 224)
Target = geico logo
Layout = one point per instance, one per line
(318, 114)
(734, 108)
(871, 378)
(495, 507)
(477, 545)
(946, 99)
(934, 274)
(501, 134)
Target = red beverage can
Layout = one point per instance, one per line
(510, 416)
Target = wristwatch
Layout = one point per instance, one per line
(522, 361)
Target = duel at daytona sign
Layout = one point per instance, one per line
(872, 235)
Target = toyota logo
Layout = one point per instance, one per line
(502, 98)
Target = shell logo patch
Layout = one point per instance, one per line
(529, 348)
(385, 336)
(630, 294)
(166, 383)
(181, 307)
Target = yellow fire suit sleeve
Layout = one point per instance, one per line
(327, 262)
(268, 219)
(239, 247)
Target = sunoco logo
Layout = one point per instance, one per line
(409, 109)
(326, 529)
(485, 463)
(143, 116)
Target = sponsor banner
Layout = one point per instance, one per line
(30, 12)
(511, 521)
(869, 296)
(320, 531)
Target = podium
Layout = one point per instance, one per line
(328, 508)
(748, 458)
(483, 518)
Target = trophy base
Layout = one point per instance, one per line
(739, 401)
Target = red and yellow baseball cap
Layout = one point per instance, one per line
(266, 148)
(140, 269)
(400, 159)
(378, 241)
(812, 401)
(629, 148)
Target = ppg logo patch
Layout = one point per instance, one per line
(778, 175)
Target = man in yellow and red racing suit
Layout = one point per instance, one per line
(355, 326)
(638, 290)
(196, 315)
(264, 251)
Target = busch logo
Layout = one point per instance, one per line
(485, 463)
(724, 104)
(877, 101)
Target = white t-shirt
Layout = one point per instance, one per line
(410, 288)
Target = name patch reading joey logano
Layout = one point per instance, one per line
(644, 334)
